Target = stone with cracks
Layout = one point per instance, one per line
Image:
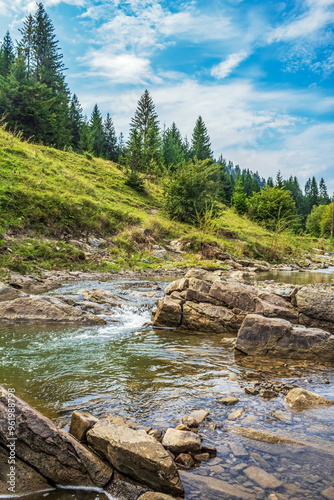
(260, 336)
(45, 310)
(81, 422)
(135, 453)
(50, 451)
(181, 441)
(168, 312)
(301, 399)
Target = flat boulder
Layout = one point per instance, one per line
(50, 451)
(136, 454)
(102, 297)
(209, 318)
(301, 399)
(45, 310)
(178, 441)
(261, 336)
(9, 293)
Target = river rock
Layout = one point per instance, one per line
(27, 479)
(9, 293)
(229, 400)
(45, 310)
(49, 450)
(260, 336)
(328, 493)
(301, 399)
(153, 495)
(81, 422)
(262, 478)
(198, 416)
(102, 297)
(135, 453)
(211, 487)
(316, 302)
(186, 460)
(168, 312)
(181, 441)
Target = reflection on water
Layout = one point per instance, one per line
(299, 277)
(158, 376)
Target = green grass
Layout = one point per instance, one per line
(61, 196)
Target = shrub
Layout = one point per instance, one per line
(313, 222)
(190, 191)
(275, 208)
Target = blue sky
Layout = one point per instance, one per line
(261, 73)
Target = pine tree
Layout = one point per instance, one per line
(7, 55)
(26, 45)
(76, 121)
(239, 198)
(152, 149)
(145, 114)
(110, 140)
(96, 127)
(279, 180)
(314, 193)
(173, 150)
(200, 143)
(226, 183)
(121, 147)
(134, 151)
(86, 139)
(323, 193)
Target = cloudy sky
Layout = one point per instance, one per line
(260, 72)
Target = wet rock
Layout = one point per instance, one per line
(45, 310)
(211, 450)
(235, 415)
(260, 336)
(125, 488)
(155, 433)
(260, 461)
(153, 495)
(265, 437)
(262, 478)
(102, 297)
(211, 487)
(251, 390)
(301, 399)
(128, 423)
(9, 293)
(283, 416)
(229, 400)
(195, 417)
(183, 427)
(202, 457)
(238, 449)
(316, 301)
(27, 479)
(181, 441)
(186, 460)
(135, 453)
(168, 313)
(206, 317)
(81, 422)
(50, 451)
(268, 393)
(328, 493)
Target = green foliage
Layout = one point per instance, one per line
(200, 143)
(134, 180)
(313, 222)
(326, 221)
(239, 198)
(189, 190)
(274, 207)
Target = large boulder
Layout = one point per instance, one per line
(45, 310)
(260, 336)
(52, 452)
(316, 305)
(301, 399)
(136, 454)
(9, 293)
(204, 301)
(24, 480)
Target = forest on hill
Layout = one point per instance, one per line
(36, 102)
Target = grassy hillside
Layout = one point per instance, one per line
(51, 197)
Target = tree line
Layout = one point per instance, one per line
(36, 100)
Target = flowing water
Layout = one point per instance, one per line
(156, 377)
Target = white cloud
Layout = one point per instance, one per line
(319, 15)
(225, 68)
(118, 68)
(20, 7)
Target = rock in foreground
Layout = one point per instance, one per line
(136, 454)
(50, 451)
(260, 336)
(301, 399)
(45, 310)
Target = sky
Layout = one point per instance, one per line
(260, 73)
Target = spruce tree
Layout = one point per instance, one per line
(145, 114)
(86, 139)
(120, 147)
(200, 143)
(323, 193)
(76, 121)
(7, 55)
(110, 140)
(279, 180)
(314, 193)
(134, 151)
(173, 150)
(26, 45)
(96, 127)
(239, 198)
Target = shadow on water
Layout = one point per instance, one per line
(157, 376)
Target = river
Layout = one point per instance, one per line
(156, 377)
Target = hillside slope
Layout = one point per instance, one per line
(53, 201)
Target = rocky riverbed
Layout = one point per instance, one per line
(156, 377)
